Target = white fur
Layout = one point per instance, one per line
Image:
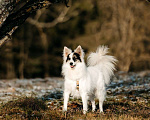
(92, 79)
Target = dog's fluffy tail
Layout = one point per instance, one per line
(104, 62)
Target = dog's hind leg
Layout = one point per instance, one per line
(101, 106)
(93, 103)
(101, 97)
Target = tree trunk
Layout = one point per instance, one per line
(13, 13)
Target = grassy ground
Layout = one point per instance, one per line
(116, 108)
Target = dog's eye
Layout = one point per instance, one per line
(67, 59)
(74, 59)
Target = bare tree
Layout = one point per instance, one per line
(40, 27)
(62, 17)
(125, 24)
(13, 13)
(123, 28)
(124, 21)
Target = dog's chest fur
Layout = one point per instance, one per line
(72, 86)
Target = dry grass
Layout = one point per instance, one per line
(33, 108)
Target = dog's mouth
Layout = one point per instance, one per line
(72, 66)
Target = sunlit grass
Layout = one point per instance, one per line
(34, 108)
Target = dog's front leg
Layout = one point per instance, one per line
(66, 97)
(84, 101)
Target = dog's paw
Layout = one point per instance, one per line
(101, 111)
(84, 111)
(64, 110)
(93, 110)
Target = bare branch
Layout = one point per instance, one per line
(7, 37)
(59, 19)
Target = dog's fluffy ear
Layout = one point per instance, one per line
(79, 50)
(66, 51)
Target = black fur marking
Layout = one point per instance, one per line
(68, 58)
(76, 57)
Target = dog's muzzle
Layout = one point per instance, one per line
(71, 65)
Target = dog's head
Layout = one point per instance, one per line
(73, 58)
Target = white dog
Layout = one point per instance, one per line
(87, 82)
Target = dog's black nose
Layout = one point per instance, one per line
(71, 63)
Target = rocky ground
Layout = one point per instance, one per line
(128, 97)
(11, 89)
(137, 84)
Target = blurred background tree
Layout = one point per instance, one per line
(36, 47)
